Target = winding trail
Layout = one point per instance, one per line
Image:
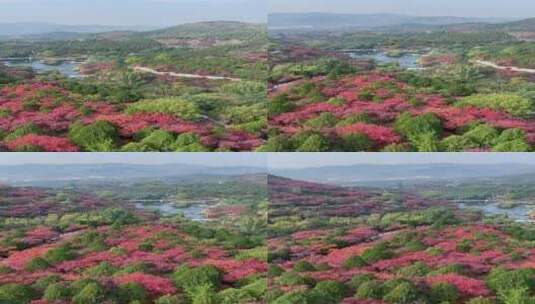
(506, 68)
(183, 75)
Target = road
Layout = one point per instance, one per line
(506, 68)
(183, 75)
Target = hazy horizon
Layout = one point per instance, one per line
(148, 13)
(269, 160)
(209, 159)
(317, 160)
(422, 8)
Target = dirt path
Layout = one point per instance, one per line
(183, 75)
(507, 68)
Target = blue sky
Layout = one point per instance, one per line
(131, 12)
(306, 160)
(274, 160)
(467, 8)
(207, 159)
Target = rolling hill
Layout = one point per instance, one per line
(365, 21)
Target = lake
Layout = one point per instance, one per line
(519, 213)
(407, 61)
(66, 68)
(194, 212)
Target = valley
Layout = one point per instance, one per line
(194, 87)
(150, 240)
(458, 240)
(354, 83)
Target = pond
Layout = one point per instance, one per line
(406, 60)
(67, 68)
(519, 213)
(193, 212)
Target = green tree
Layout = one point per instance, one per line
(189, 278)
(327, 292)
(404, 293)
(92, 293)
(100, 136)
(444, 293)
(16, 294)
(56, 291)
(303, 266)
(204, 294)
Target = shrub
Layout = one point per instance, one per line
(444, 292)
(511, 140)
(356, 142)
(303, 266)
(56, 291)
(359, 279)
(168, 299)
(189, 278)
(42, 283)
(101, 270)
(274, 270)
(292, 279)
(464, 246)
(314, 143)
(131, 292)
(173, 105)
(426, 142)
(36, 264)
(297, 297)
(280, 104)
(501, 280)
(354, 262)
(16, 294)
(324, 120)
(417, 269)
(327, 292)
(390, 285)
(480, 300)
(203, 294)
(92, 293)
(404, 293)
(369, 290)
(516, 296)
(23, 130)
(100, 136)
(457, 143)
(510, 103)
(517, 145)
(256, 289)
(276, 143)
(413, 127)
(59, 254)
(377, 253)
(355, 118)
(188, 142)
(159, 140)
(481, 135)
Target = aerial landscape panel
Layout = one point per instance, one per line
(401, 229)
(401, 76)
(145, 228)
(190, 80)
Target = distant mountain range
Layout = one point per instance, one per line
(367, 21)
(198, 30)
(38, 173)
(24, 29)
(364, 174)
